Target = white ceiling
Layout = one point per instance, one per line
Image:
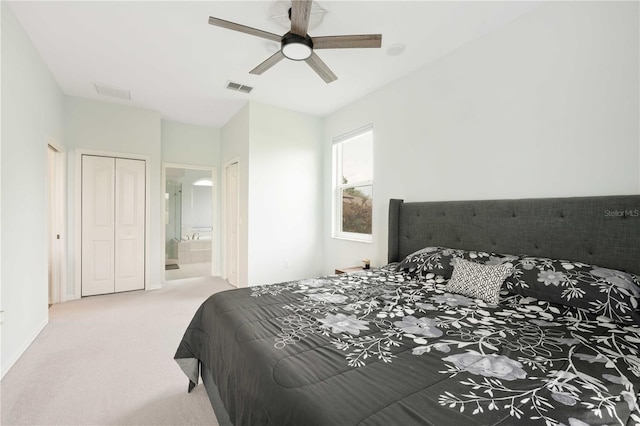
(172, 61)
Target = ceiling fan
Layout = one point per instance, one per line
(297, 45)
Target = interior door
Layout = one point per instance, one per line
(55, 218)
(129, 224)
(232, 222)
(98, 184)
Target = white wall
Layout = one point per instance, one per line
(101, 126)
(190, 144)
(546, 106)
(285, 177)
(280, 157)
(31, 116)
(235, 147)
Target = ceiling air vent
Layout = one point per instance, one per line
(237, 87)
(114, 92)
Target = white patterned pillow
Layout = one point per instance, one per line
(477, 280)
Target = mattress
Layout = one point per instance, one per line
(383, 347)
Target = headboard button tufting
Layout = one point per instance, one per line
(574, 228)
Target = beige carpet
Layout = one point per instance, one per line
(108, 360)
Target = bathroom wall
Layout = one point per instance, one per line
(192, 145)
(196, 204)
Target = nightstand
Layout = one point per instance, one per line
(347, 270)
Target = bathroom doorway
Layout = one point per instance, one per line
(190, 221)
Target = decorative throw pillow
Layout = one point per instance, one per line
(600, 291)
(439, 261)
(477, 280)
(424, 261)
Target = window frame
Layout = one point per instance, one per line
(339, 187)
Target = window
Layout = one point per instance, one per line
(353, 185)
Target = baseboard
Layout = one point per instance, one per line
(14, 358)
(68, 297)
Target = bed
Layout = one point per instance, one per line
(489, 312)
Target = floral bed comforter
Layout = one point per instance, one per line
(378, 348)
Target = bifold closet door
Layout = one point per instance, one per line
(98, 224)
(129, 225)
(113, 215)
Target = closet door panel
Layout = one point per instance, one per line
(129, 224)
(98, 180)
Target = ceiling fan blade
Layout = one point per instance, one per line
(347, 41)
(244, 29)
(300, 14)
(321, 68)
(271, 61)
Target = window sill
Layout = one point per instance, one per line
(355, 238)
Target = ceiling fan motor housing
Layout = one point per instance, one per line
(295, 47)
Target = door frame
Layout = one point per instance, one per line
(77, 255)
(215, 246)
(58, 221)
(235, 160)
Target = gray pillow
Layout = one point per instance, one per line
(439, 261)
(596, 290)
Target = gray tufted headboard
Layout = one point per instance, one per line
(603, 231)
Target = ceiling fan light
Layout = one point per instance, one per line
(296, 51)
(295, 47)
